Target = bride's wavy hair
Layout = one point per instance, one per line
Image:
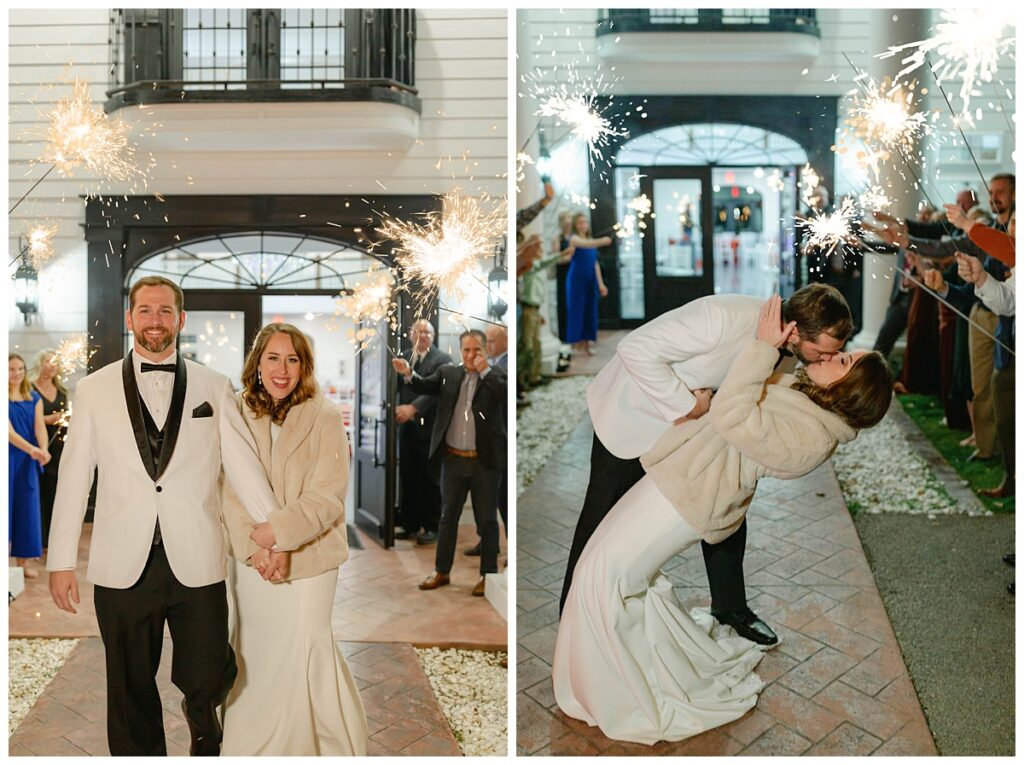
(861, 397)
(256, 396)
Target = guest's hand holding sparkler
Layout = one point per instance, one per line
(933, 280)
(957, 217)
(892, 230)
(970, 269)
(40, 455)
(402, 367)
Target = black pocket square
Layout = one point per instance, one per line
(203, 410)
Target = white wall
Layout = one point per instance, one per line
(461, 74)
(558, 38)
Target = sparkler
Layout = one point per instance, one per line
(573, 103)
(969, 42)
(882, 117)
(368, 304)
(73, 354)
(81, 134)
(443, 252)
(829, 230)
(40, 243)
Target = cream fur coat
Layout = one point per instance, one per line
(308, 469)
(709, 468)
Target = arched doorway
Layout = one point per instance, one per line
(678, 148)
(244, 261)
(721, 198)
(236, 283)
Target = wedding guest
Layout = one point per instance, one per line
(584, 285)
(49, 385)
(419, 509)
(470, 439)
(26, 456)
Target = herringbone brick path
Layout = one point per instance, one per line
(836, 684)
(70, 716)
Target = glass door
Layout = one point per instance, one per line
(677, 248)
(374, 440)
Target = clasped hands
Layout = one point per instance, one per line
(272, 565)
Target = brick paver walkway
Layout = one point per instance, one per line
(69, 718)
(377, 599)
(836, 684)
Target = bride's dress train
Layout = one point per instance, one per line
(629, 658)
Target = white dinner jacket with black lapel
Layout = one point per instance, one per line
(649, 383)
(203, 431)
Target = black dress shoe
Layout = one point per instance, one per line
(1010, 559)
(204, 729)
(427, 538)
(747, 625)
(473, 552)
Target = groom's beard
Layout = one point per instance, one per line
(155, 345)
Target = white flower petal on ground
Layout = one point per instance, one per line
(472, 690)
(554, 413)
(32, 664)
(880, 472)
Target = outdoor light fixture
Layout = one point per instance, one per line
(497, 283)
(543, 159)
(26, 286)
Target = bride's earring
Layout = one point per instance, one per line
(259, 377)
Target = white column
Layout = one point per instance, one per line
(531, 188)
(889, 27)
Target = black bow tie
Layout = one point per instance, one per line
(147, 367)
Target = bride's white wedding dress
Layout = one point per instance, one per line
(629, 658)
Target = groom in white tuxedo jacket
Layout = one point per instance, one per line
(663, 373)
(158, 429)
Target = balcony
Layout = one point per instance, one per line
(245, 80)
(765, 35)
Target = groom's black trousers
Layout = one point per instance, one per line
(610, 478)
(202, 666)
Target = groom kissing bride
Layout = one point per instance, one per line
(692, 411)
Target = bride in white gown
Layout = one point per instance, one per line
(629, 658)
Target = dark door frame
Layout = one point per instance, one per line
(663, 293)
(121, 237)
(810, 121)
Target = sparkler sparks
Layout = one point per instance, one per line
(369, 303)
(829, 230)
(73, 354)
(522, 160)
(810, 182)
(80, 134)
(62, 423)
(874, 198)
(40, 243)
(442, 253)
(574, 103)
(969, 43)
(882, 117)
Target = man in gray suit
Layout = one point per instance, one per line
(420, 502)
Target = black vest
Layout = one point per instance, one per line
(156, 446)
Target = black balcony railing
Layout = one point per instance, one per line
(623, 20)
(235, 54)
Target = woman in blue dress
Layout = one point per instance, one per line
(27, 452)
(584, 286)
